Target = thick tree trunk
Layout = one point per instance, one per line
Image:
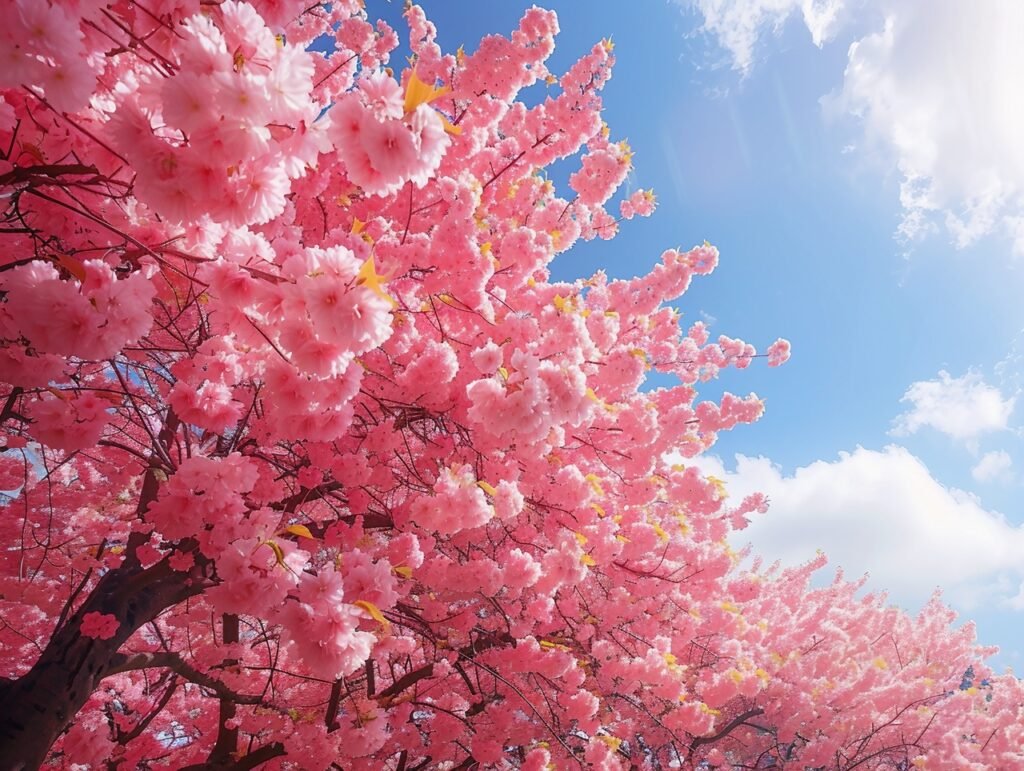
(37, 707)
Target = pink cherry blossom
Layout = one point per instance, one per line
(99, 626)
(778, 353)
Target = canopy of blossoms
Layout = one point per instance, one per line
(310, 465)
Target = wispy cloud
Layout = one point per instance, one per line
(738, 25)
(934, 87)
(964, 408)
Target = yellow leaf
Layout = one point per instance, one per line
(417, 92)
(626, 151)
(684, 525)
(487, 488)
(299, 530)
(403, 570)
(447, 299)
(372, 280)
(659, 531)
(580, 538)
(278, 553)
(374, 611)
(72, 266)
(449, 127)
(612, 741)
(34, 151)
(587, 560)
(358, 225)
(595, 483)
(549, 645)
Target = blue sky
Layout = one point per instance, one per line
(856, 163)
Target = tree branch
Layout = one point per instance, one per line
(160, 660)
(141, 726)
(729, 727)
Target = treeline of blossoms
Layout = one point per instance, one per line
(310, 465)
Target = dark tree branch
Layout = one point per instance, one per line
(727, 729)
(121, 662)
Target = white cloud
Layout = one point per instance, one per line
(963, 407)
(1010, 369)
(934, 86)
(707, 318)
(938, 86)
(992, 465)
(738, 24)
(882, 513)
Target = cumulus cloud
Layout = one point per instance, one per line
(934, 87)
(739, 24)
(882, 513)
(964, 407)
(992, 465)
(937, 84)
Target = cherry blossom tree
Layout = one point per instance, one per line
(310, 465)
